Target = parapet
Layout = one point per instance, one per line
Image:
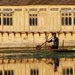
(7, 61)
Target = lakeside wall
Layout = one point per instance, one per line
(31, 39)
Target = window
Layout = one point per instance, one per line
(68, 71)
(7, 19)
(66, 19)
(5, 72)
(0, 72)
(34, 72)
(71, 71)
(70, 21)
(33, 19)
(4, 21)
(0, 19)
(9, 72)
(74, 18)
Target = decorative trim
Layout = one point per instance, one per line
(7, 9)
(18, 9)
(54, 9)
(42, 9)
(33, 9)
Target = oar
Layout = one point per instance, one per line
(38, 47)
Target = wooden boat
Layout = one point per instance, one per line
(63, 50)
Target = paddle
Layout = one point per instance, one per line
(38, 47)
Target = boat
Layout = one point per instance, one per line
(63, 50)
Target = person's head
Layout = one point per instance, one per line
(54, 35)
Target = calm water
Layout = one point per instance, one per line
(33, 53)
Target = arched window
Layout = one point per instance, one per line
(31, 72)
(67, 71)
(36, 21)
(0, 21)
(7, 21)
(1, 73)
(33, 21)
(37, 72)
(66, 21)
(34, 72)
(9, 73)
(74, 20)
(71, 71)
(5, 73)
(11, 21)
(4, 21)
(70, 21)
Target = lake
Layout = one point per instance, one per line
(33, 53)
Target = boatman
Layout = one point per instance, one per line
(55, 45)
(55, 41)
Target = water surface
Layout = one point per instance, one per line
(33, 53)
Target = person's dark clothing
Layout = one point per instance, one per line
(56, 61)
(56, 64)
(56, 42)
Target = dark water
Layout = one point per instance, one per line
(33, 53)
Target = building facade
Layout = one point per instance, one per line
(37, 18)
(37, 67)
(28, 25)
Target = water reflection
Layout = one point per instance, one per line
(33, 53)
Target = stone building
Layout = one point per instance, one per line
(26, 23)
(37, 67)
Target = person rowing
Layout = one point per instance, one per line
(55, 45)
(55, 41)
